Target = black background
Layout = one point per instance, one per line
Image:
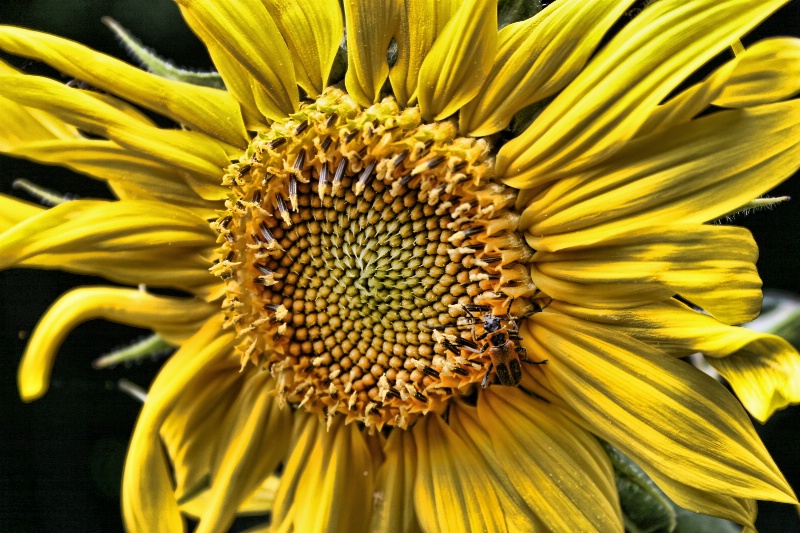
(61, 457)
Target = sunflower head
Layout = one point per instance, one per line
(361, 249)
(443, 257)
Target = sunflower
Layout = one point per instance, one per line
(420, 293)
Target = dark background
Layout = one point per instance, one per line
(61, 457)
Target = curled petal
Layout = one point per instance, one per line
(13, 211)
(127, 306)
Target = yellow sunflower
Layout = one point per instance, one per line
(419, 297)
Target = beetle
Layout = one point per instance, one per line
(501, 345)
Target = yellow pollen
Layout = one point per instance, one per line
(371, 263)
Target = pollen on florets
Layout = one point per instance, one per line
(357, 248)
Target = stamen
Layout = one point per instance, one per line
(301, 128)
(300, 159)
(337, 178)
(293, 190)
(283, 210)
(331, 120)
(277, 143)
(366, 174)
(323, 179)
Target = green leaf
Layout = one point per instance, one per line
(645, 508)
(689, 522)
(160, 67)
(510, 11)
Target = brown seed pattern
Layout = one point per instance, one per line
(351, 243)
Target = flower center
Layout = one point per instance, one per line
(371, 263)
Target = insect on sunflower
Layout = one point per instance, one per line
(419, 293)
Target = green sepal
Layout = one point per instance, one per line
(160, 67)
(147, 347)
(45, 196)
(757, 204)
(510, 11)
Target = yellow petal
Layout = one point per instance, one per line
(608, 102)
(191, 430)
(211, 111)
(765, 375)
(249, 35)
(393, 511)
(328, 498)
(126, 306)
(148, 500)
(20, 126)
(240, 84)
(669, 417)
(558, 468)
(130, 242)
(536, 58)
(738, 510)
(711, 266)
(459, 61)
(763, 369)
(13, 211)
(258, 503)
(463, 419)
(453, 489)
(370, 26)
(766, 72)
(306, 442)
(313, 30)
(419, 25)
(129, 175)
(250, 443)
(690, 173)
(188, 150)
